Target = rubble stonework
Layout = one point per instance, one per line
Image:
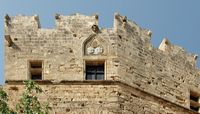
(138, 78)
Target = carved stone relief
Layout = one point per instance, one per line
(95, 46)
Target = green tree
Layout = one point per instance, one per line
(28, 103)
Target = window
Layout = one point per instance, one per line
(94, 70)
(36, 70)
(194, 101)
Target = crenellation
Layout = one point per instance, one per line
(21, 23)
(77, 23)
(122, 24)
(174, 51)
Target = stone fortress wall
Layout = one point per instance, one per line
(138, 78)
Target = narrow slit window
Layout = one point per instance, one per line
(194, 101)
(36, 70)
(94, 70)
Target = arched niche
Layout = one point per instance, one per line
(95, 45)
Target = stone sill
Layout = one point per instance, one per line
(65, 82)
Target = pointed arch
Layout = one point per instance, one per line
(95, 45)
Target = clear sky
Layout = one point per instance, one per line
(178, 20)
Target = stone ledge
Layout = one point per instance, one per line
(64, 82)
(142, 94)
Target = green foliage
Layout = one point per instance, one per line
(28, 103)
(4, 109)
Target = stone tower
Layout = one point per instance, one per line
(87, 70)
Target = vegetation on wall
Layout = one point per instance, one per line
(28, 103)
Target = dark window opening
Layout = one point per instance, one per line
(194, 108)
(94, 70)
(194, 101)
(194, 98)
(36, 70)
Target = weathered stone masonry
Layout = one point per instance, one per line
(136, 77)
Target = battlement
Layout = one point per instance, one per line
(73, 23)
(21, 22)
(78, 25)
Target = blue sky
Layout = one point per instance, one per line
(178, 20)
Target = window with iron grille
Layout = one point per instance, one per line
(94, 70)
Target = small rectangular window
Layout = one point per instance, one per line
(36, 70)
(194, 101)
(94, 70)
